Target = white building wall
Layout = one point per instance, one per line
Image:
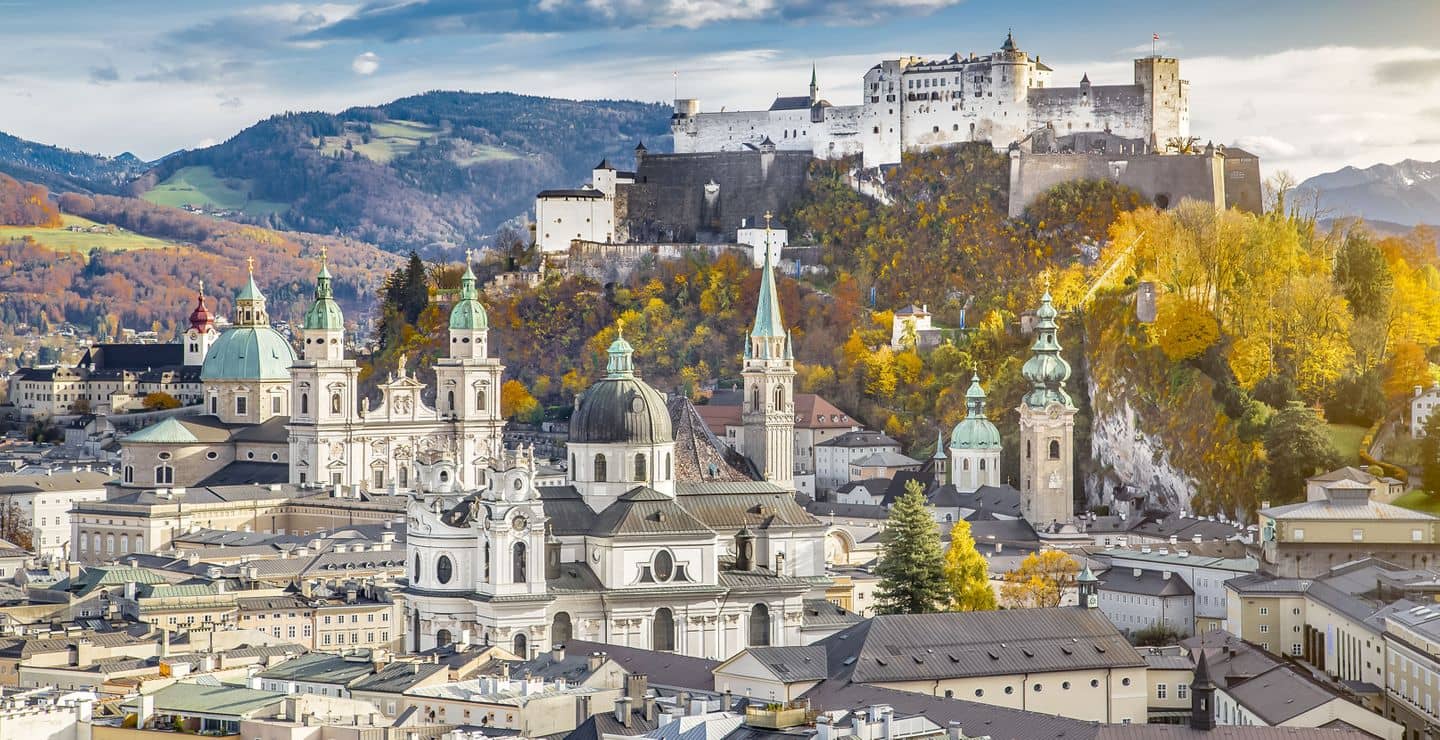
(560, 220)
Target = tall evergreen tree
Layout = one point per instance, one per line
(967, 572)
(1299, 447)
(912, 565)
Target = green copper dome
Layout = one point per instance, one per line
(975, 432)
(1046, 370)
(248, 353)
(468, 314)
(621, 408)
(324, 314)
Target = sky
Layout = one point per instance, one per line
(1310, 86)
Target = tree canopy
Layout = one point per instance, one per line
(912, 565)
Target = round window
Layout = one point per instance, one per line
(517, 484)
(1065, 685)
(443, 569)
(250, 455)
(664, 565)
(211, 455)
(163, 456)
(979, 692)
(1124, 682)
(1009, 689)
(1094, 683)
(274, 457)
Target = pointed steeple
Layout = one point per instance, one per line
(1202, 695)
(201, 320)
(250, 304)
(789, 346)
(621, 364)
(1046, 370)
(939, 445)
(814, 86)
(975, 399)
(768, 324)
(468, 314)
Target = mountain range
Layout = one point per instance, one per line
(1405, 193)
(439, 169)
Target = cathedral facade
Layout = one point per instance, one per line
(658, 539)
(911, 104)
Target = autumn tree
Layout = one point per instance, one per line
(15, 526)
(517, 403)
(912, 565)
(1040, 580)
(967, 572)
(160, 401)
(1299, 447)
(1363, 274)
(1185, 329)
(1430, 455)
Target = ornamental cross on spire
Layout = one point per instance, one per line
(324, 254)
(202, 287)
(767, 220)
(250, 264)
(468, 256)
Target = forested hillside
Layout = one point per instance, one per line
(442, 167)
(64, 170)
(148, 279)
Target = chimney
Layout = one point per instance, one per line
(595, 661)
(649, 706)
(147, 710)
(698, 706)
(954, 731)
(1195, 538)
(637, 685)
(622, 710)
(1165, 574)
(727, 700)
(557, 653)
(823, 730)
(1137, 572)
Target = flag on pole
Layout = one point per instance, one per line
(1155, 37)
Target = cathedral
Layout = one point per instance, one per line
(660, 537)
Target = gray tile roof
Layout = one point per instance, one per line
(793, 663)
(1148, 583)
(647, 511)
(915, 647)
(320, 668)
(662, 669)
(821, 614)
(397, 677)
(861, 439)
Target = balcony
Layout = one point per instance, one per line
(779, 716)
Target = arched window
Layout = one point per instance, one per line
(599, 468)
(965, 464)
(779, 398)
(84, 543)
(96, 548)
(640, 472)
(759, 625)
(1027, 449)
(164, 474)
(755, 398)
(662, 630)
(129, 474)
(486, 555)
(443, 569)
(304, 403)
(124, 543)
(560, 628)
(1054, 449)
(334, 403)
(442, 638)
(110, 544)
(480, 400)
(517, 563)
(520, 647)
(450, 400)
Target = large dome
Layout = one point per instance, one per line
(975, 434)
(248, 353)
(623, 410)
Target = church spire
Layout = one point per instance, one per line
(468, 314)
(250, 304)
(324, 314)
(1046, 370)
(814, 86)
(975, 399)
(768, 324)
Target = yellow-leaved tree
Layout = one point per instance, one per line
(967, 573)
(1040, 580)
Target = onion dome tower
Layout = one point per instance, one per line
(974, 444)
(1047, 428)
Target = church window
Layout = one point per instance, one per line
(275, 404)
(982, 464)
(1054, 449)
(404, 477)
(663, 566)
(334, 403)
(240, 406)
(164, 474)
(450, 400)
(517, 565)
(416, 577)
(214, 405)
(1027, 449)
(442, 638)
(668, 474)
(964, 464)
(480, 400)
(304, 403)
(124, 544)
(759, 625)
(110, 544)
(573, 468)
(662, 630)
(560, 629)
(377, 478)
(97, 544)
(486, 557)
(640, 467)
(599, 468)
(780, 398)
(520, 648)
(84, 543)
(443, 569)
(129, 474)
(755, 398)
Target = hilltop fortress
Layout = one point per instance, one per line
(1005, 97)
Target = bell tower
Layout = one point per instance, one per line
(768, 407)
(202, 332)
(323, 402)
(467, 381)
(1047, 428)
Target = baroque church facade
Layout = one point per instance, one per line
(658, 539)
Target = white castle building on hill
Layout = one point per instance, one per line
(911, 104)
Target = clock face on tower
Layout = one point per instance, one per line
(519, 523)
(1092, 601)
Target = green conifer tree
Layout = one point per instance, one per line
(1299, 447)
(967, 573)
(912, 565)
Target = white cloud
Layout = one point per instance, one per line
(366, 64)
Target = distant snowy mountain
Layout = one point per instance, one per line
(1405, 193)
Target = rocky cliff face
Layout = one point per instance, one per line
(1126, 456)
